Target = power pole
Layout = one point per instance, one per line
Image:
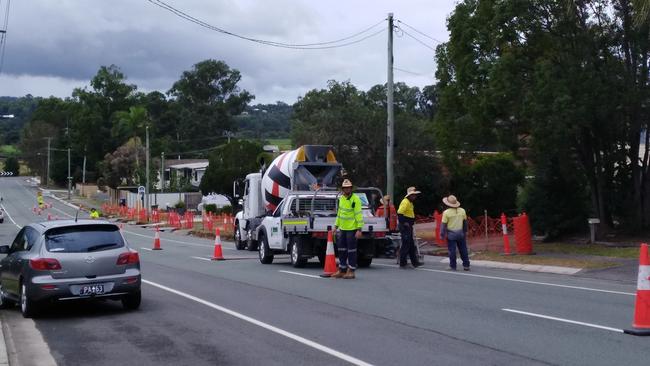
(162, 171)
(69, 176)
(146, 174)
(83, 172)
(390, 136)
(47, 179)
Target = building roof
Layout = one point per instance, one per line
(194, 166)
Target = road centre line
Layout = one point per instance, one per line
(516, 280)
(203, 259)
(301, 274)
(9, 215)
(564, 320)
(149, 249)
(295, 337)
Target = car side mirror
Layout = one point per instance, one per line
(4, 249)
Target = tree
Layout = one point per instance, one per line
(229, 163)
(208, 97)
(12, 166)
(353, 122)
(120, 167)
(567, 80)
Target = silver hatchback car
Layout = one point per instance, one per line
(68, 260)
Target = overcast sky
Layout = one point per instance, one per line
(54, 46)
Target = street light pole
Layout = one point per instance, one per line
(162, 171)
(390, 135)
(69, 176)
(47, 179)
(146, 174)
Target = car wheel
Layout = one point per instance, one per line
(132, 300)
(28, 306)
(4, 301)
(297, 251)
(364, 262)
(239, 244)
(266, 257)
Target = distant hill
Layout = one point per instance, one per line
(265, 121)
(22, 109)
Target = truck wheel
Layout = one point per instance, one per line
(239, 244)
(364, 262)
(252, 245)
(297, 250)
(321, 259)
(266, 257)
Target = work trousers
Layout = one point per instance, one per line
(407, 248)
(346, 244)
(462, 248)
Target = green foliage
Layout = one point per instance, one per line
(22, 109)
(210, 207)
(265, 121)
(207, 97)
(11, 165)
(549, 76)
(179, 205)
(228, 163)
(490, 182)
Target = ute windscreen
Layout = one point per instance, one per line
(81, 239)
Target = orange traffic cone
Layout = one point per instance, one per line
(156, 240)
(218, 254)
(330, 258)
(641, 322)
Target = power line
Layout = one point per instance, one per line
(417, 39)
(306, 46)
(411, 72)
(3, 34)
(422, 33)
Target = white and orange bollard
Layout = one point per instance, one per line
(330, 259)
(156, 240)
(506, 239)
(641, 321)
(218, 252)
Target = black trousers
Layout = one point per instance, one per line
(346, 244)
(407, 249)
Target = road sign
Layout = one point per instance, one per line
(141, 189)
(6, 174)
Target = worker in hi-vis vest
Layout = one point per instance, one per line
(348, 225)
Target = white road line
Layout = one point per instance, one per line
(301, 274)
(564, 320)
(203, 259)
(516, 280)
(295, 337)
(63, 212)
(149, 249)
(176, 241)
(9, 216)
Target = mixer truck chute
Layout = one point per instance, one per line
(289, 207)
(299, 170)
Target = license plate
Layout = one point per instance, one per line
(91, 290)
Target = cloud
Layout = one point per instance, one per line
(55, 44)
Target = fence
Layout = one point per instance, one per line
(483, 233)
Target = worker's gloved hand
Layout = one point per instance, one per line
(358, 234)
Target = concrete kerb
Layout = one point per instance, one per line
(4, 354)
(515, 266)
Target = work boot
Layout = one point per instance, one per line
(349, 275)
(339, 273)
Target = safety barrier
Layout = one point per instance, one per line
(483, 232)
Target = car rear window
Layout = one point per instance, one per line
(80, 239)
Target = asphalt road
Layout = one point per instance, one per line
(240, 312)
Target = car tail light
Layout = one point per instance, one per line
(319, 234)
(380, 234)
(44, 264)
(128, 258)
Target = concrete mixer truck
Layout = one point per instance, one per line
(289, 206)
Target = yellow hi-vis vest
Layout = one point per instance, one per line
(349, 216)
(94, 215)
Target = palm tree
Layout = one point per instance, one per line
(132, 124)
